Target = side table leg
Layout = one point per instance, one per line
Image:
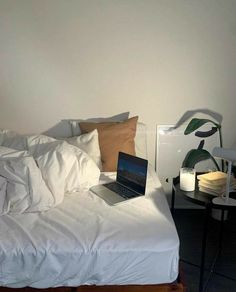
(204, 242)
(173, 201)
(221, 230)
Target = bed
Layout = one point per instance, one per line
(83, 242)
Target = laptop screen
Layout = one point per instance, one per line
(132, 172)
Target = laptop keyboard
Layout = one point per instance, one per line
(122, 191)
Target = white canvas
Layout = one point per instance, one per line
(172, 147)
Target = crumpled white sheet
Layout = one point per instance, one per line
(25, 189)
(37, 178)
(85, 241)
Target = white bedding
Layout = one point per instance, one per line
(85, 241)
(37, 178)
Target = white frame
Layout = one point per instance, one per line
(169, 158)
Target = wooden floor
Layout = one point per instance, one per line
(134, 288)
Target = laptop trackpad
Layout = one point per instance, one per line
(107, 195)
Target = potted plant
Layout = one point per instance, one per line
(200, 154)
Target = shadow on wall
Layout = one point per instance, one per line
(63, 129)
(187, 115)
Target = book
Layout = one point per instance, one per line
(215, 183)
(215, 192)
(210, 191)
(216, 177)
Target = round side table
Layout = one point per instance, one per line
(205, 200)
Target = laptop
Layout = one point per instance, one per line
(130, 180)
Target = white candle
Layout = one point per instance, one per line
(187, 179)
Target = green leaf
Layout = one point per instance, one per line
(205, 134)
(196, 155)
(195, 123)
(201, 144)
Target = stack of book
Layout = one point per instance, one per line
(215, 183)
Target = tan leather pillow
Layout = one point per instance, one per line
(113, 137)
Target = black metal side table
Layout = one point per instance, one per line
(205, 200)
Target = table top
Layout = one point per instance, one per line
(201, 198)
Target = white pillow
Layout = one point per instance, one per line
(65, 168)
(141, 141)
(88, 143)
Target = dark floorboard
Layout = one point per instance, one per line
(189, 224)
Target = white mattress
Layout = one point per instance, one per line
(85, 241)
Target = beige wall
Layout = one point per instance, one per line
(83, 58)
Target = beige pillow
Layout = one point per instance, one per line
(113, 137)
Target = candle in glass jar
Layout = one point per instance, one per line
(187, 179)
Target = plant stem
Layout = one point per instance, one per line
(221, 145)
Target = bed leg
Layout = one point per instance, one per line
(181, 279)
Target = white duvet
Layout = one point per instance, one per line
(39, 171)
(84, 241)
